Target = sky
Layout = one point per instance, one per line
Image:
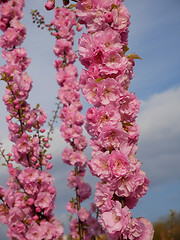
(154, 35)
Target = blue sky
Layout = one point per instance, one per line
(154, 36)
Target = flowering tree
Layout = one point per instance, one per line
(27, 204)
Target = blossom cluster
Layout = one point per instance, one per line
(111, 121)
(27, 204)
(85, 225)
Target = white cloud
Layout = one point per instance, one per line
(159, 144)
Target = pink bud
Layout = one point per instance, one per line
(21, 93)
(37, 164)
(38, 209)
(42, 130)
(51, 189)
(49, 156)
(45, 139)
(30, 201)
(108, 17)
(35, 217)
(29, 122)
(23, 204)
(47, 145)
(49, 166)
(25, 135)
(91, 114)
(79, 27)
(8, 118)
(5, 20)
(10, 165)
(49, 5)
(15, 101)
(34, 159)
(18, 106)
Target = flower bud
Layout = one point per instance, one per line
(49, 5)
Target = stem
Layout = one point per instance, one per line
(19, 110)
(51, 123)
(78, 207)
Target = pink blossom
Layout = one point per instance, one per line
(58, 228)
(67, 73)
(70, 115)
(94, 228)
(89, 88)
(66, 155)
(50, 230)
(115, 62)
(91, 114)
(79, 158)
(49, 166)
(9, 38)
(116, 220)
(12, 170)
(6, 10)
(28, 175)
(133, 132)
(97, 119)
(99, 165)
(71, 207)
(80, 142)
(107, 115)
(103, 197)
(30, 201)
(62, 47)
(70, 132)
(43, 200)
(121, 18)
(119, 164)
(31, 188)
(129, 106)
(4, 211)
(108, 91)
(74, 180)
(74, 228)
(67, 95)
(111, 136)
(35, 232)
(64, 20)
(17, 231)
(83, 214)
(140, 229)
(84, 191)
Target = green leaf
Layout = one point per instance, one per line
(114, 6)
(71, 6)
(125, 48)
(127, 124)
(99, 79)
(133, 56)
(4, 164)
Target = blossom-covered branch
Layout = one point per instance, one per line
(111, 121)
(85, 226)
(27, 204)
